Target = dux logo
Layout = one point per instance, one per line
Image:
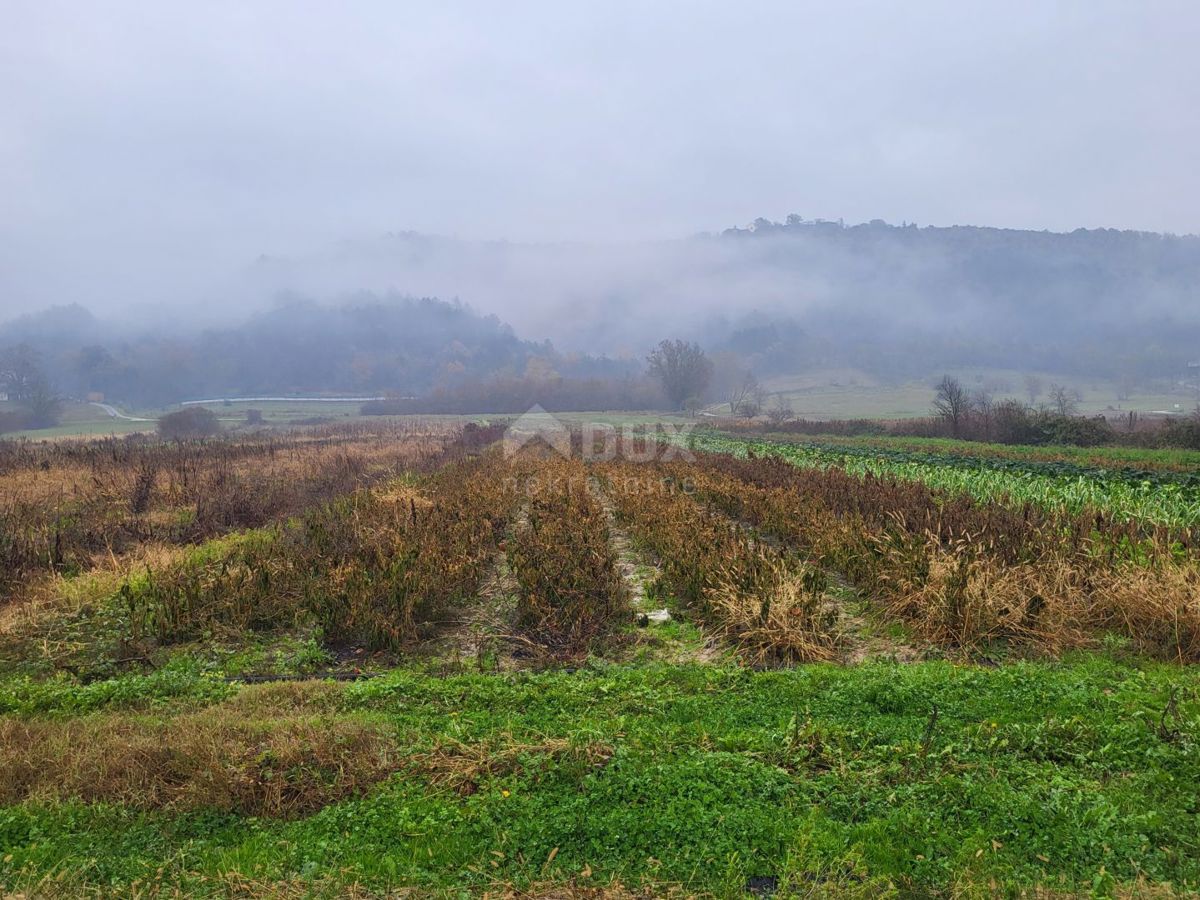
(537, 424)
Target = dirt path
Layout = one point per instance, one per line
(659, 631)
(117, 414)
(483, 635)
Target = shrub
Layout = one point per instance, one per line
(189, 424)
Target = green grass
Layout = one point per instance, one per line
(852, 394)
(84, 420)
(1059, 774)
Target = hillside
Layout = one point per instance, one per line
(895, 300)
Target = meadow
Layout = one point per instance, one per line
(370, 658)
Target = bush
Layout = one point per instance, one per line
(1078, 431)
(188, 424)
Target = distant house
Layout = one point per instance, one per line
(95, 397)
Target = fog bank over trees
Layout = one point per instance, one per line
(364, 343)
(771, 299)
(895, 300)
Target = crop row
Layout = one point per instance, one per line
(1167, 499)
(61, 505)
(373, 566)
(1135, 459)
(571, 589)
(965, 573)
(767, 601)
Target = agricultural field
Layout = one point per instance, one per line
(1161, 487)
(408, 658)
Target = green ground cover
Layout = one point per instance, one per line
(923, 779)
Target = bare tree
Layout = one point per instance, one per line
(780, 411)
(1033, 388)
(22, 378)
(746, 396)
(951, 402)
(20, 372)
(682, 368)
(1064, 400)
(981, 406)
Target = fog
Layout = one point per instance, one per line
(570, 167)
(147, 151)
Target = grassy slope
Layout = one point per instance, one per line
(850, 394)
(1064, 774)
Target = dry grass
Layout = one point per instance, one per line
(562, 557)
(961, 574)
(957, 598)
(65, 507)
(375, 566)
(785, 616)
(766, 601)
(1157, 607)
(266, 753)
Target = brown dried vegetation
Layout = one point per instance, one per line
(64, 504)
(964, 573)
(571, 590)
(247, 755)
(767, 601)
(373, 566)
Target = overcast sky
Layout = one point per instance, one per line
(147, 143)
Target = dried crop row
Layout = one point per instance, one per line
(572, 594)
(64, 504)
(769, 602)
(373, 566)
(966, 573)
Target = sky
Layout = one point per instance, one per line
(149, 148)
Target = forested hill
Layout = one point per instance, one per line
(895, 299)
(366, 344)
(898, 301)
(1036, 275)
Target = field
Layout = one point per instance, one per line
(85, 419)
(388, 656)
(853, 394)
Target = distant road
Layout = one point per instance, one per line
(117, 414)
